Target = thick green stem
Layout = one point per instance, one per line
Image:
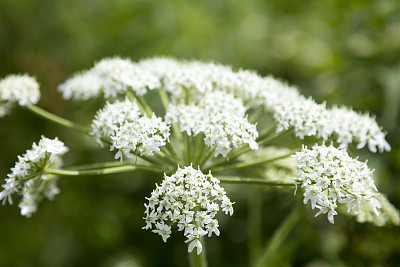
(102, 171)
(198, 260)
(246, 165)
(279, 237)
(61, 121)
(252, 180)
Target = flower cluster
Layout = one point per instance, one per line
(110, 76)
(28, 177)
(220, 117)
(191, 200)
(129, 131)
(331, 177)
(311, 119)
(21, 89)
(188, 82)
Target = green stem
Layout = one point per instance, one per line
(254, 115)
(244, 150)
(202, 150)
(266, 132)
(102, 171)
(61, 121)
(99, 165)
(279, 237)
(147, 108)
(274, 137)
(132, 97)
(173, 152)
(246, 165)
(189, 149)
(198, 260)
(252, 180)
(164, 98)
(204, 160)
(166, 158)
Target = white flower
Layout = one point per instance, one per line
(189, 82)
(187, 198)
(220, 117)
(28, 177)
(194, 240)
(81, 86)
(331, 177)
(110, 76)
(21, 89)
(128, 130)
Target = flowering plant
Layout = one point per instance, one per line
(215, 125)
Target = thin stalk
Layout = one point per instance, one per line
(245, 165)
(143, 102)
(165, 102)
(197, 148)
(273, 138)
(266, 131)
(244, 150)
(103, 171)
(173, 152)
(98, 165)
(57, 119)
(279, 237)
(169, 154)
(198, 260)
(252, 180)
(202, 150)
(254, 115)
(165, 157)
(204, 160)
(132, 97)
(164, 98)
(189, 149)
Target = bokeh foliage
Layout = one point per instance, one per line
(344, 52)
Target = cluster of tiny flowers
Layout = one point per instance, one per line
(21, 89)
(189, 199)
(129, 132)
(311, 119)
(110, 76)
(331, 177)
(220, 117)
(28, 177)
(185, 80)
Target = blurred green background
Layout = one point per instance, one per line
(344, 52)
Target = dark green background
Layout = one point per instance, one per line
(344, 52)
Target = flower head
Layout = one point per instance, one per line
(220, 117)
(330, 177)
(28, 177)
(128, 130)
(21, 89)
(189, 199)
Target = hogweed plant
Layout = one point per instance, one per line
(216, 126)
